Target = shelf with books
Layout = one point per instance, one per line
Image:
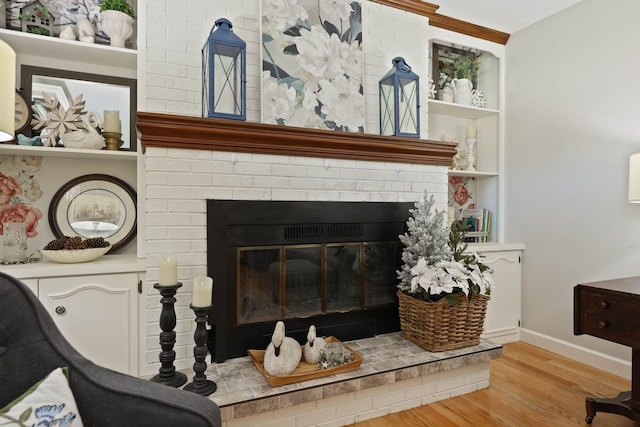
(477, 222)
(475, 177)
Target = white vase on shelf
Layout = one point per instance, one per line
(117, 25)
(446, 93)
(462, 94)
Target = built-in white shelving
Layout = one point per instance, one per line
(70, 153)
(453, 121)
(453, 172)
(458, 110)
(69, 50)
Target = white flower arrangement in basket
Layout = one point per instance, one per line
(443, 291)
(436, 262)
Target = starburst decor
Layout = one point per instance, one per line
(58, 120)
(478, 99)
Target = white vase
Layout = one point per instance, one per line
(446, 94)
(117, 25)
(463, 88)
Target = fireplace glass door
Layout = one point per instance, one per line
(297, 281)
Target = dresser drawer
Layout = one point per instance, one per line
(609, 315)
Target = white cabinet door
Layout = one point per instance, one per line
(98, 315)
(502, 323)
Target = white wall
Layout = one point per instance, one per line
(573, 118)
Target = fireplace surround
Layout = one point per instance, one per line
(189, 160)
(331, 264)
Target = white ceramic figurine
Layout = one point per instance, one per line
(313, 346)
(283, 353)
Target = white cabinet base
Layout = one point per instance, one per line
(502, 322)
(98, 315)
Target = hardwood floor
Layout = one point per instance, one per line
(529, 386)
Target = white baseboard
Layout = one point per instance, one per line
(503, 336)
(613, 365)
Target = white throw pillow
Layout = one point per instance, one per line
(49, 402)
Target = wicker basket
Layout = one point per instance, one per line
(437, 326)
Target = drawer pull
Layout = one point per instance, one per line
(602, 324)
(603, 304)
(60, 310)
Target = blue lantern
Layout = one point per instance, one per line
(224, 74)
(400, 101)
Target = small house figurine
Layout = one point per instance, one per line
(36, 19)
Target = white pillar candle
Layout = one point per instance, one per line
(7, 91)
(168, 270)
(471, 132)
(112, 121)
(202, 288)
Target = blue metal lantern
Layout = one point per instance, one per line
(400, 101)
(224, 74)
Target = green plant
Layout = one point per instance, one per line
(119, 5)
(38, 30)
(466, 66)
(443, 80)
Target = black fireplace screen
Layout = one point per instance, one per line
(331, 264)
(285, 282)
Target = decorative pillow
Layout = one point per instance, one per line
(49, 402)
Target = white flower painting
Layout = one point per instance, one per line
(312, 64)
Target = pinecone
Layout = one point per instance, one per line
(76, 242)
(58, 244)
(96, 242)
(73, 243)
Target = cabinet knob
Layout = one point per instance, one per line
(603, 304)
(60, 310)
(602, 324)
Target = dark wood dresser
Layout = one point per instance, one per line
(610, 310)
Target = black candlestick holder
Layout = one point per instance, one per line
(201, 384)
(168, 374)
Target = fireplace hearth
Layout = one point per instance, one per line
(330, 264)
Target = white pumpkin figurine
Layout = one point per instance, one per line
(283, 354)
(313, 347)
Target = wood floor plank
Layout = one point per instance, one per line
(529, 386)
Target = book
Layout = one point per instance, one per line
(470, 225)
(478, 223)
(472, 220)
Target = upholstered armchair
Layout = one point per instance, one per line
(31, 346)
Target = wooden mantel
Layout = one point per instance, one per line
(185, 132)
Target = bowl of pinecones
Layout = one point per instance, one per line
(71, 250)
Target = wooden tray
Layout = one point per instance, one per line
(304, 371)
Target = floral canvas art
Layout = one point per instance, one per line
(460, 195)
(19, 190)
(312, 64)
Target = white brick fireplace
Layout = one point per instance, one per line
(179, 181)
